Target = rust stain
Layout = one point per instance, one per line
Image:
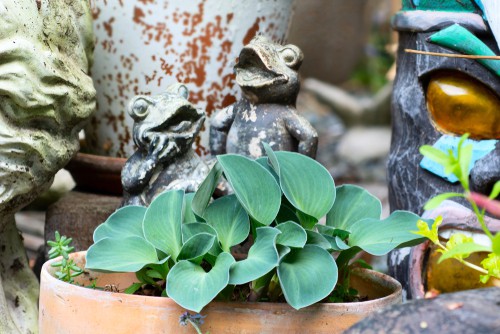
(138, 15)
(108, 26)
(251, 32)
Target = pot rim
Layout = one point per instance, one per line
(383, 280)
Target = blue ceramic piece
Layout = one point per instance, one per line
(479, 151)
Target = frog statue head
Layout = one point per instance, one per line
(435, 101)
(165, 127)
(268, 72)
(46, 96)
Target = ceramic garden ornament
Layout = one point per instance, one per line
(436, 100)
(165, 127)
(46, 96)
(145, 46)
(267, 74)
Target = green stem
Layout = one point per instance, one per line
(195, 326)
(467, 263)
(480, 218)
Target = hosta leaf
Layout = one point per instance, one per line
(124, 222)
(163, 221)
(307, 275)
(378, 237)
(283, 250)
(315, 238)
(190, 230)
(192, 288)
(253, 185)
(352, 204)
(196, 246)
(333, 232)
(307, 185)
(262, 258)
(128, 254)
(229, 220)
(204, 193)
(292, 235)
(189, 216)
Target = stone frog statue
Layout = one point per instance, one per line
(268, 77)
(165, 127)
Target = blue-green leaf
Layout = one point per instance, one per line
(307, 185)
(189, 216)
(315, 238)
(128, 254)
(190, 230)
(124, 222)
(204, 193)
(192, 288)
(379, 237)
(196, 246)
(229, 220)
(352, 204)
(253, 185)
(307, 275)
(163, 221)
(292, 235)
(262, 258)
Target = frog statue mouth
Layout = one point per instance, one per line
(254, 68)
(177, 131)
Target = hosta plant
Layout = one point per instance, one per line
(182, 243)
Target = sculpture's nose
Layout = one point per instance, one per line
(486, 172)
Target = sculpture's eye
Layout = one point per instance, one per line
(289, 56)
(460, 104)
(140, 108)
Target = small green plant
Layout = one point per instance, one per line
(67, 267)
(460, 246)
(195, 320)
(181, 244)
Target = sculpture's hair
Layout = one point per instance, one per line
(46, 94)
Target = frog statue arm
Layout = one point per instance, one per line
(303, 132)
(46, 96)
(220, 124)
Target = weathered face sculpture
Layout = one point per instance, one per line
(46, 94)
(437, 99)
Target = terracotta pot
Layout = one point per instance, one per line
(144, 46)
(97, 174)
(71, 309)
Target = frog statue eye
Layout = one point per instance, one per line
(458, 104)
(292, 56)
(138, 108)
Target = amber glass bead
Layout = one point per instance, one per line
(460, 104)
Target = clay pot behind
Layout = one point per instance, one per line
(71, 309)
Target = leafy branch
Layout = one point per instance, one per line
(68, 268)
(460, 246)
